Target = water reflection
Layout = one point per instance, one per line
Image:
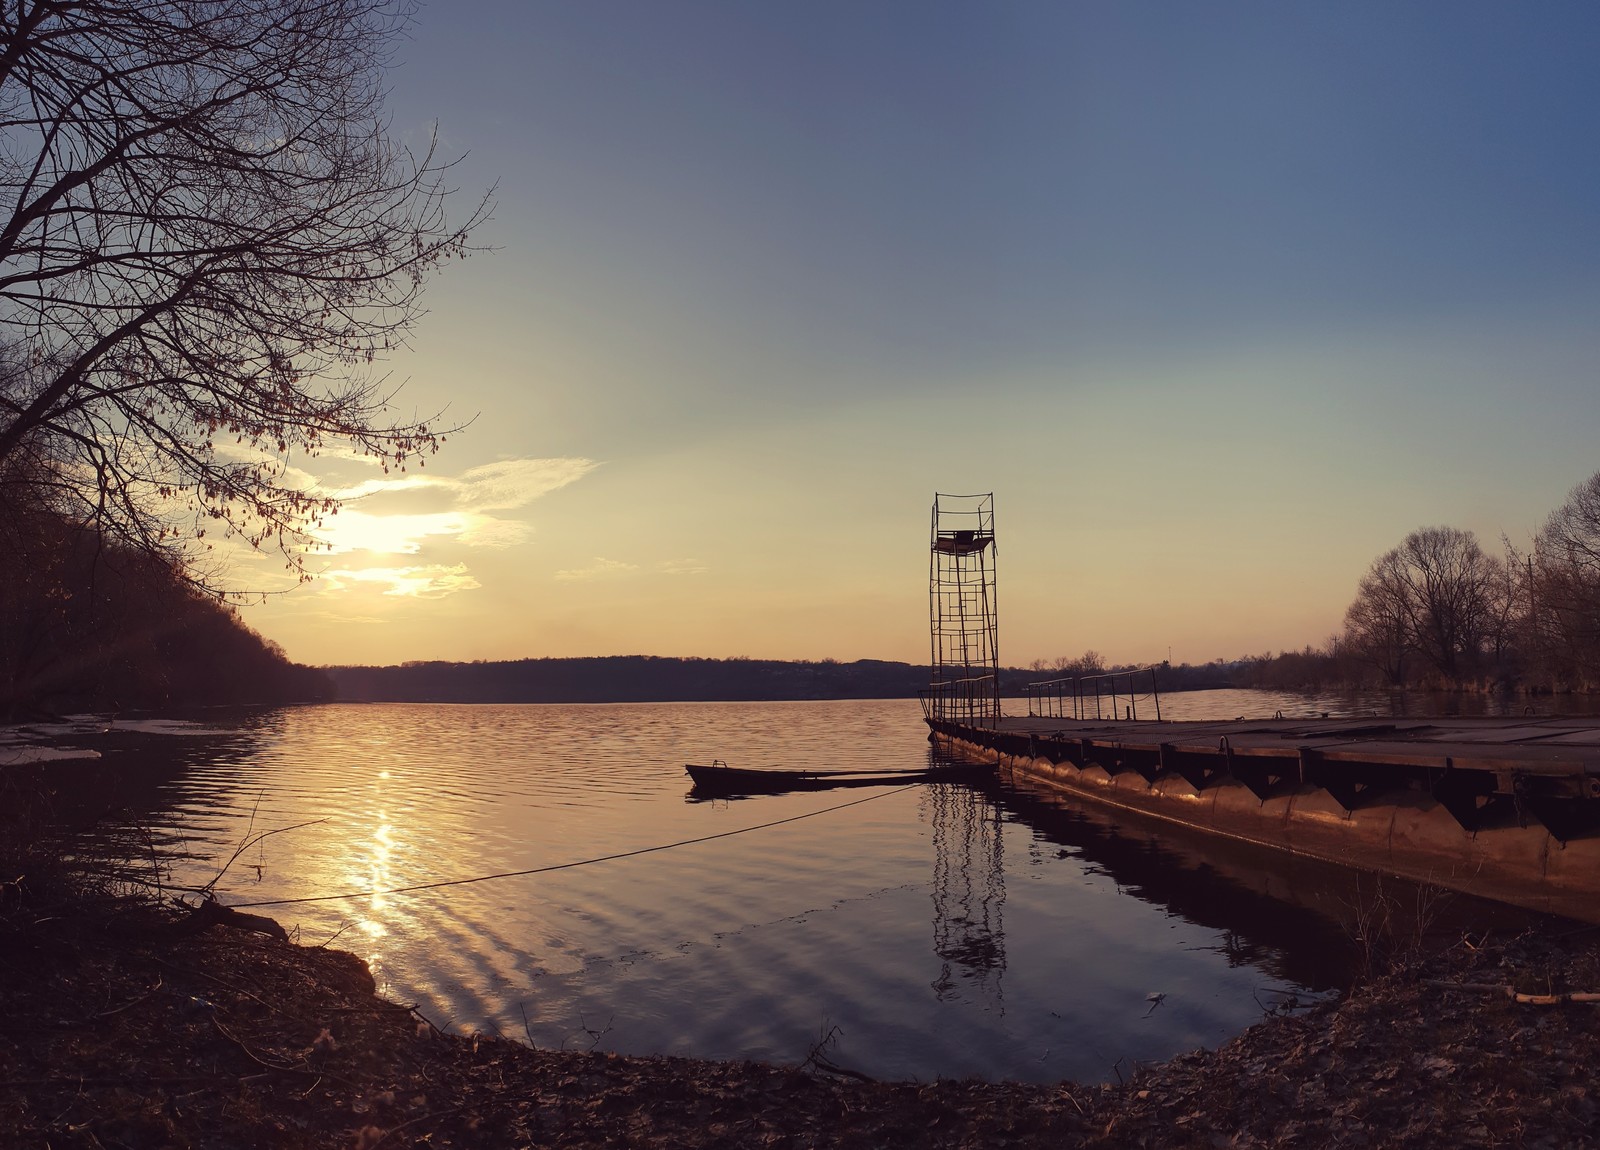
(378, 879)
(1298, 918)
(968, 892)
(948, 931)
(1250, 901)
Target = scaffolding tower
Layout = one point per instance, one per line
(961, 593)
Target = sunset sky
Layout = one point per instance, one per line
(1221, 300)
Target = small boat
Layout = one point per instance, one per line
(720, 779)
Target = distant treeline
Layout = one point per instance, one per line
(87, 623)
(652, 679)
(627, 679)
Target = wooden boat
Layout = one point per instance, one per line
(720, 779)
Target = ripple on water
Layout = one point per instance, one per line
(944, 932)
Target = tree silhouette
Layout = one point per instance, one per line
(1565, 602)
(1434, 596)
(208, 236)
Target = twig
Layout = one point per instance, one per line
(256, 1058)
(1513, 993)
(116, 1080)
(819, 1049)
(303, 1069)
(334, 938)
(222, 982)
(818, 1058)
(392, 1131)
(155, 859)
(244, 844)
(253, 840)
(134, 1002)
(417, 1010)
(595, 1035)
(828, 1065)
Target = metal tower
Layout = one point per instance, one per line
(961, 593)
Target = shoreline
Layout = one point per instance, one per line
(124, 1026)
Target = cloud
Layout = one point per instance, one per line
(601, 568)
(286, 473)
(350, 455)
(387, 534)
(681, 567)
(513, 483)
(469, 498)
(483, 531)
(386, 484)
(502, 486)
(433, 581)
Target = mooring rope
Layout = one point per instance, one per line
(895, 789)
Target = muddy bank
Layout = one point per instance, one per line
(120, 1029)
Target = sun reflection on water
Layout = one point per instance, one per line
(378, 879)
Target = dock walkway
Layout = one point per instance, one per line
(1508, 807)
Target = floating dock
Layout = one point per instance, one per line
(1503, 808)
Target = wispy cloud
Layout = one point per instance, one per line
(513, 483)
(472, 499)
(385, 485)
(502, 486)
(681, 567)
(601, 568)
(430, 581)
(483, 531)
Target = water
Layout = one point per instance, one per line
(932, 931)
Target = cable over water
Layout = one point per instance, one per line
(569, 865)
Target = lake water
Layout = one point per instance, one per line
(931, 930)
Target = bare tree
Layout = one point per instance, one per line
(1091, 662)
(1433, 596)
(1454, 583)
(208, 236)
(1565, 597)
(1378, 624)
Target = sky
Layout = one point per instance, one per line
(1219, 300)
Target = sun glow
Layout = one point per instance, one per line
(424, 582)
(388, 534)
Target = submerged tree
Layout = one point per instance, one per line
(207, 237)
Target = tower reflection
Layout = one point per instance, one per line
(969, 892)
(1292, 917)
